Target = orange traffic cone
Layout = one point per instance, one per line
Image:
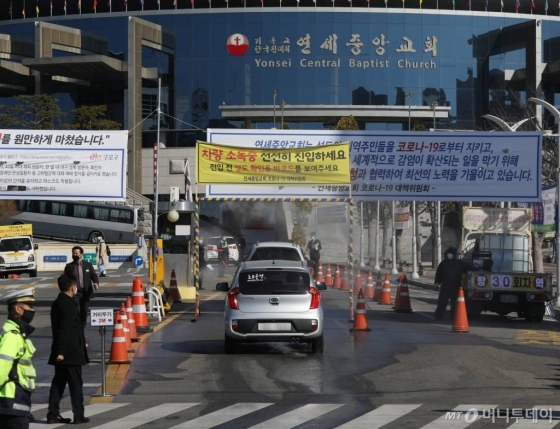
(358, 282)
(131, 321)
(378, 288)
(126, 329)
(386, 293)
(360, 321)
(344, 283)
(328, 278)
(402, 300)
(460, 321)
(118, 346)
(173, 289)
(369, 286)
(320, 277)
(139, 304)
(336, 282)
(14, 276)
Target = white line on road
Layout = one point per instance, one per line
(85, 384)
(91, 410)
(297, 417)
(380, 416)
(147, 416)
(222, 416)
(460, 417)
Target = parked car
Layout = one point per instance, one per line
(211, 249)
(271, 301)
(275, 250)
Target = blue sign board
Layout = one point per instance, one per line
(120, 258)
(138, 261)
(55, 258)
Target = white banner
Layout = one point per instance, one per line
(63, 165)
(402, 216)
(420, 166)
(496, 219)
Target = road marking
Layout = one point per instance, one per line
(460, 417)
(380, 416)
(146, 416)
(90, 410)
(84, 385)
(297, 417)
(222, 416)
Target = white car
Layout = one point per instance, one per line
(271, 301)
(275, 250)
(211, 249)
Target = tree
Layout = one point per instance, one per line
(32, 112)
(92, 118)
(347, 123)
(298, 235)
(8, 209)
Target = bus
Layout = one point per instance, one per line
(80, 221)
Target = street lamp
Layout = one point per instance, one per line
(282, 104)
(409, 96)
(556, 113)
(433, 106)
(274, 94)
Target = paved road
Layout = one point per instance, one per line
(407, 372)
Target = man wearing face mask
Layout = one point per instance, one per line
(87, 280)
(449, 276)
(314, 247)
(17, 374)
(68, 352)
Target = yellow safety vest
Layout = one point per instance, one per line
(17, 374)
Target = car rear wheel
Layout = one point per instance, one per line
(316, 345)
(229, 345)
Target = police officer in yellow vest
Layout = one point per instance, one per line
(17, 375)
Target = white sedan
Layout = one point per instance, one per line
(211, 249)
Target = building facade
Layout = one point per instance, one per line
(266, 64)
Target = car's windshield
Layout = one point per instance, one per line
(276, 253)
(265, 282)
(15, 244)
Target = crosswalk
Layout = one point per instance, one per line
(266, 415)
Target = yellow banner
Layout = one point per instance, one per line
(16, 230)
(317, 165)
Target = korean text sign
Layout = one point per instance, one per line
(406, 166)
(256, 166)
(63, 165)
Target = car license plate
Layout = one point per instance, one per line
(508, 298)
(275, 327)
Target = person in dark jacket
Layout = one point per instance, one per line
(68, 352)
(86, 278)
(314, 247)
(449, 277)
(223, 255)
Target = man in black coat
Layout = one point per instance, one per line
(314, 247)
(86, 279)
(449, 276)
(68, 352)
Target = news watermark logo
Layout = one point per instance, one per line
(507, 415)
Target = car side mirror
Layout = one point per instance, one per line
(222, 287)
(35, 246)
(321, 286)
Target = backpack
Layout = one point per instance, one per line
(107, 250)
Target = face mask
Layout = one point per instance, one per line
(75, 258)
(27, 316)
(312, 237)
(450, 256)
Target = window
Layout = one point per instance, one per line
(80, 211)
(59, 209)
(100, 213)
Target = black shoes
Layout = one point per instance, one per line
(58, 419)
(103, 275)
(80, 421)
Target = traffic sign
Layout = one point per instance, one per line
(138, 261)
(102, 317)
